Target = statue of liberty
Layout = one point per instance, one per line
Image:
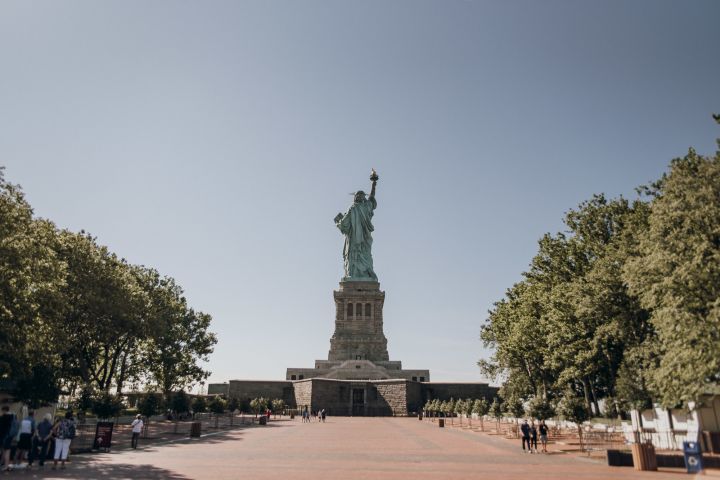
(356, 225)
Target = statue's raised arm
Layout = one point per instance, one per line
(356, 225)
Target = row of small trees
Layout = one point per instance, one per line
(256, 405)
(79, 319)
(542, 410)
(622, 306)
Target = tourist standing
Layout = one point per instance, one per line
(6, 423)
(525, 429)
(25, 441)
(44, 435)
(64, 431)
(137, 426)
(533, 437)
(543, 435)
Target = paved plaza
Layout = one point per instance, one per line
(342, 448)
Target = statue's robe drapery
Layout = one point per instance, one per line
(357, 227)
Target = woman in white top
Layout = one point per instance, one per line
(27, 431)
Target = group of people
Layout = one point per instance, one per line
(530, 436)
(24, 441)
(318, 415)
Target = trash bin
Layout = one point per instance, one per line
(441, 422)
(195, 429)
(419, 416)
(263, 420)
(643, 455)
(292, 415)
(693, 457)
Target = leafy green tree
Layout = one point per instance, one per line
(31, 301)
(459, 408)
(450, 407)
(148, 405)
(571, 320)
(39, 388)
(199, 405)
(514, 407)
(278, 405)
(107, 405)
(233, 404)
(259, 405)
(676, 274)
(480, 407)
(78, 318)
(496, 411)
(217, 405)
(443, 408)
(179, 337)
(540, 408)
(104, 311)
(84, 401)
(180, 402)
(573, 409)
(436, 406)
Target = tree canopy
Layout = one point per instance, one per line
(84, 319)
(623, 306)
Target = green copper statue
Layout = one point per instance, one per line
(357, 227)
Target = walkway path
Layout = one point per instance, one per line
(341, 448)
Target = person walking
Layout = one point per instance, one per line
(322, 414)
(543, 435)
(25, 441)
(137, 427)
(64, 432)
(44, 436)
(533, 437)
(525, 429)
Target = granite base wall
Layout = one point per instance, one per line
(379, 397)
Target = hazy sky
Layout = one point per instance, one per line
(217, 140)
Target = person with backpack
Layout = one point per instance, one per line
(64, 433)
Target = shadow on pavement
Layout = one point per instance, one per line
(94, 469)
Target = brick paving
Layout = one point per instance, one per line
(342, 448)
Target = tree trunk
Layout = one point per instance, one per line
(580, 437)
(595, 400)
(586, 393)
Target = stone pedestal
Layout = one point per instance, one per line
(358, 323)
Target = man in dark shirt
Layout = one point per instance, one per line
(44, 434)
(525, 429)
(6, 421)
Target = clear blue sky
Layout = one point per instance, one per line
(217, 140)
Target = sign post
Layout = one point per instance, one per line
(103, 435)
